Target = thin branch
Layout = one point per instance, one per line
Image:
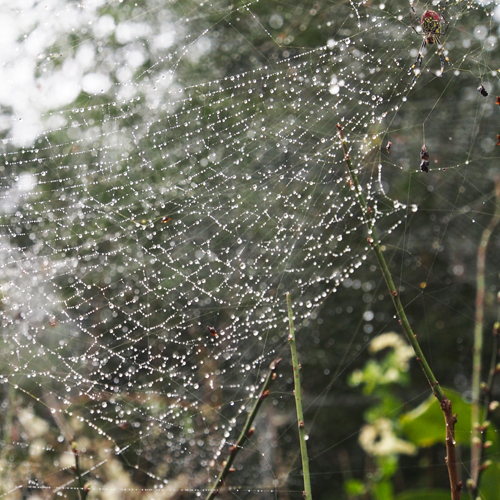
(490, 407)
(476, 441)
(445, 403)
(83, 489)
(307, 494)
(245, 433)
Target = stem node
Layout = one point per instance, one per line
(264, 395)
(298, 404)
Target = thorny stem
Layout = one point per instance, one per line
(245, 433)
(445, 403)
(298, 402)
(476, 441)
(82, 488)
(490, 407)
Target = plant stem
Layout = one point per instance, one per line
(476, 441)
(445, 403)
(489, 409)
(307, 494)
(82, 488)
(245, 433)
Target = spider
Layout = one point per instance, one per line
(433, 26)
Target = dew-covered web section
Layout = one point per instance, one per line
(149, 233)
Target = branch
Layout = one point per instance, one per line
(83, 489)
(298, 403)
(476, 441)
(245, 433)
(490, 407)
(445, 403)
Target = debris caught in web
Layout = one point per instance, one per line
(424, 156)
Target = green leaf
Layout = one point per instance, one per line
(388, 465)
(354, 487)
(425, 426)
(383, 491)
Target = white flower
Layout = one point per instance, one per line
(379, 439)
(402, 350)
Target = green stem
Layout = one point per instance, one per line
(245, 433)
(445, 403)
(489, 409)
(476, 441)
(298, 403)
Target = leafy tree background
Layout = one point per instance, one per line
(170, 137)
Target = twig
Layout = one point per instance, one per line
(298, 402)
(245, 433)
(445, 403)
(476, 441)
(490, 407)
(83, 489)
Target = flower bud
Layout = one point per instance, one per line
(485, 425)
(485, 465)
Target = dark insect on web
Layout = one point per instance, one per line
(433, 25)
(388, 147)
(166, 219)
(424, 156)
(212, 331)
(482, 91)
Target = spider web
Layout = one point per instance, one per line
(163, 175)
